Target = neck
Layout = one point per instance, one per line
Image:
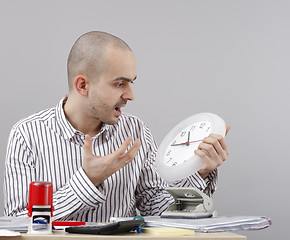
(75, 112)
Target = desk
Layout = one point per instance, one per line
(62, 235)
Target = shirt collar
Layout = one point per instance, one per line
(67, 129)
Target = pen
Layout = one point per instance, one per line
(67, 223)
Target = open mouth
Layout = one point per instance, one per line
(118, 110)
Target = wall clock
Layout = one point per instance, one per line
(175, 158)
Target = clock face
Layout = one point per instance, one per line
(186, 142)
(175, 158)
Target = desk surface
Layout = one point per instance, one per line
(61, 235)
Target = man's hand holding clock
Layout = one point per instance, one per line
(213, 151)
(196, 144)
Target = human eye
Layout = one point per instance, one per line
(120, 85)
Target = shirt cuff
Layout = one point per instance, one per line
(212, 177)
(85, 190)
(197, 181)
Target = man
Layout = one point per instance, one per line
(100, 161)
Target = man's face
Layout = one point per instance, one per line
(113, 89)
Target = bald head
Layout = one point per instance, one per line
(88, 55)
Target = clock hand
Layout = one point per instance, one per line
(186, 143)
(188, 139)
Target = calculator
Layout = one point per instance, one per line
(107, 229)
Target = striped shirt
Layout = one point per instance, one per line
(46, 147)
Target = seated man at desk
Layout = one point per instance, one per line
(100, 160)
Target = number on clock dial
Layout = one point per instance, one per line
(186, 142)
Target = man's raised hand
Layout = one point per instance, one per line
(100, 168)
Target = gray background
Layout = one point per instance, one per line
(227, 57)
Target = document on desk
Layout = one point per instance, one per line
(19, 224)
(8, 233)
(217, 224)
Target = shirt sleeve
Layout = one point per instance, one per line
(21, 170)
(207, 185)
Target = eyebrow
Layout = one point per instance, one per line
(125, 79)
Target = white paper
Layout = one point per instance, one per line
(217, 224)
(8, 233)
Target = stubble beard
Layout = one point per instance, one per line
(103, 113)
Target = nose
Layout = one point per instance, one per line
(128, 94)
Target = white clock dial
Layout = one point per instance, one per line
(186, 142)
(175, 158)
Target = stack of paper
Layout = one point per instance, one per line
(8, 233)
(19, 224)
(216, 224)
(213, 224)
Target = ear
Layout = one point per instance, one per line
(81, 84)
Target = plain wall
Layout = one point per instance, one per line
(227, 57)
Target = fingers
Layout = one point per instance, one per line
(216, 146)
(124, 145)
(228, 127)
(223, 144)
(213, 151)
(128, 156)
(208, 164)
(131, 153)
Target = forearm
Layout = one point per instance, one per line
(152, 199)
(77, 194)
(154, 202)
